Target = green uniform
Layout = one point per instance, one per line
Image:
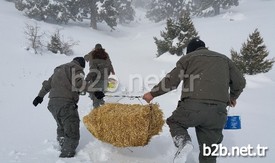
(97, 78)
(89, 58)
(209, 80)
(64, 87)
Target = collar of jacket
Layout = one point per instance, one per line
(201, 48)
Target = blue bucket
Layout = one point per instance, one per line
(233, 123)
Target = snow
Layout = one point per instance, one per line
(234, 16)
(28, 132)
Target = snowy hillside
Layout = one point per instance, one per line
(27, 133)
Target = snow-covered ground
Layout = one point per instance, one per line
(27, 133)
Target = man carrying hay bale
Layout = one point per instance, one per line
(64, 87)
(97, 79)
(207, 76)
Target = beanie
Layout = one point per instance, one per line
(80, 60)
(194, 44)
(98, 46)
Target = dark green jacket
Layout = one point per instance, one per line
(97, 77)
(206, 75)
(66, 82)
(100, 68)
(89, 58)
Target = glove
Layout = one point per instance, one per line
(37, 100)
(99, 95)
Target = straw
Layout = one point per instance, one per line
(125, 125)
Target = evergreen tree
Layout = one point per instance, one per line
(187, 32)
(56, 11)
(176, 36)
(59, 45)
(252, 57)
(125, 11)
(35, 9)
(111, 12)
(89, 11)
(164, 45)
(108, 13)
(212, 7)
(62, 11)
(163, 9)
(55, 45)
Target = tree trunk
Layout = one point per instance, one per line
(94, 14)
(216, 9)
(93, 22)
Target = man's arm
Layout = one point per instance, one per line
(46, 87)
(167, 84)
(110, 64)
(237, 83)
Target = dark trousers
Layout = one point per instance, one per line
(208, 118)
(96, 102)
(66, 116)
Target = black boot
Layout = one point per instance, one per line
(66, 154)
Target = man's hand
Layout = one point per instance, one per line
(99, 94)
(148, 97)
(37, 100)
(232, 102)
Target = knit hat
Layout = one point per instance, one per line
(194, 44)
(98, 46)
(80, 60)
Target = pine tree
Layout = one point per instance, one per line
(89, 10)
(212, 7)
(163, 9)
(252, 57)
(187, 32)
(164, 45)
(56, 11)
(34, 9)
(108, 13)
(125, 11)
(176, 36)
(62, 11)
(55, 45)
(59, 45)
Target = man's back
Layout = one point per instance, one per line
(209, 76)
(65, 80)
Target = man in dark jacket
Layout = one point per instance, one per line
(100, 68)
(64, 86)
(211, 81)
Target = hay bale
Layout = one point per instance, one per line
(125, 125)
